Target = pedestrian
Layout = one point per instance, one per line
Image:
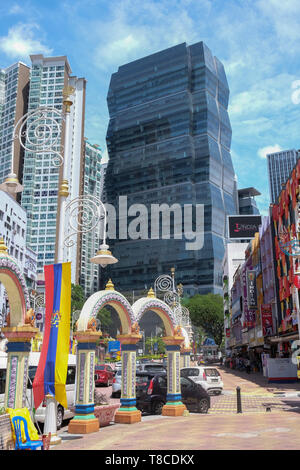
(248, 366)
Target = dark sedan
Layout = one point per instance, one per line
(151, 393)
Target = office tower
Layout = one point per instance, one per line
(280, 165)
(168, 141)
(103, 175)
(13, 224)
(89, 272)
(14, 86)
(247, 202)
(41, 177)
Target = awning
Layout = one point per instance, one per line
(282, 339)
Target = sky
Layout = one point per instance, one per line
(258, 41)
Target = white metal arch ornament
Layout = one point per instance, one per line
(39, 131)
(163, 283)
(182, 315)
(84, 214)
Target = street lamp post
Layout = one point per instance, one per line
(172, 296)
(45, 124)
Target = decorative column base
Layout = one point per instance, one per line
(128, 417)
(174, 406)
(173, 410)
(128, 413)
(84, 421)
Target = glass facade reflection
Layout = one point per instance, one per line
(168, 141)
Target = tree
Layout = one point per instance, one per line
(206, 311)
(149, 344)
(77, 300)
(77, 297)
(104, 316)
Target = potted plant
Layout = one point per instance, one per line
(104, 410)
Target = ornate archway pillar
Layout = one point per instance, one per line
(18, 349)
(185, 357)
(84, 421)
(174, 405)
(128, 413)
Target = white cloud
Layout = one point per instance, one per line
(15, 10)
(136, 29)
(264, 97)
(264, 151)
(20, 42)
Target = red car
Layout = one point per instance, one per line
(104, 374)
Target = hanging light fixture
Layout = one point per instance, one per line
(11, 184)
(104, 256)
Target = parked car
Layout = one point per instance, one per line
(104, 375)
(151, 393)
(150, 367)
(40, 414)
(116, 385)
(208, 377)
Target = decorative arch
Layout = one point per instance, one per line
(15, 286)
(107, 297)
(141, 306)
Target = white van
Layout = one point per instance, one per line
(40, 413)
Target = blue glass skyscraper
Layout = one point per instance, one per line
(168, 141)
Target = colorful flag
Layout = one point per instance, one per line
(51, 372)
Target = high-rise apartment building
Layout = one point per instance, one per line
(14, 86)
(13, 224)
(103, 175)
(168, 142)
(90, 242)
(41, 178)
(280, 165)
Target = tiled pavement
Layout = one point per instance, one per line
(249, 404)
(256, 431)
(222, 428)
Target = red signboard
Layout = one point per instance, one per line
(266, 319)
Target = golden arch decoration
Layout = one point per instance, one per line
(107, 297)
(15, 286)
(141, 306)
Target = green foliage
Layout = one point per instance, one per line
(106, 321)
(206, 311)
(149, 345)
(77, 301)
(77, 297)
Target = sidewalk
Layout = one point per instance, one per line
(268, 421)
(255, 384)
(270, 431)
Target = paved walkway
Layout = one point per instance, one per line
(271, 431)
(221, 429)
(255, 383)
